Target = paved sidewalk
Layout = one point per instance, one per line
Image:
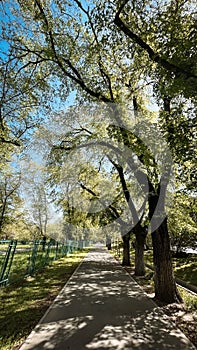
(102, 307)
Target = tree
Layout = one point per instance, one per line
(103, 69)
(137, 228)
(178, 122)
(68, 155)
(19, 100)
(113, 214)
(157, 174)
(167, 35)
(40, 209)
(10, 201)
(23, 79)
(83, 180)
(176, 75)
(35, 193)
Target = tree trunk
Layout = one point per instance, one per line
(139, 252)
(126, 250)
(165, 285)
(164, 280)
(2, 217)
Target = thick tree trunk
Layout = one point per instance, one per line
(164, 280)
(126, 250)
(139, 253)
(165, 285)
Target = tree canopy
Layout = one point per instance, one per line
(130, 58)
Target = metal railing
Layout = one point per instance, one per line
(19, 259)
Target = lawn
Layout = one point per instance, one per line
(184, 268)
(29, 257)
(22, 305)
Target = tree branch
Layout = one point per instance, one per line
(77, 76)
(11, 142)
(113, 209)
(126, 192)
(103, 73)
(154, 56)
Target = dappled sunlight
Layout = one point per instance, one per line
(102, 307)
(137, 333)
(49, 334)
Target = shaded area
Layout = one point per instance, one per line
(23, 304)
(102, 307)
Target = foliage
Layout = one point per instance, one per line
(82, 168)
(36, 193)
(109, 53)
(165, 31)
(182, 222)
(10, 202)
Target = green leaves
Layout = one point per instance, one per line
(10, 201)
(182, 221)
(100, 51)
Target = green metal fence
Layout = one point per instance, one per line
(19, 259)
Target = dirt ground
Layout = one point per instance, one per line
(185, 320)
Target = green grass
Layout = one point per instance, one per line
(22, 305)
(184, 268)
(190, 300)
(23, 259)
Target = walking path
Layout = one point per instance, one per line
(102, 307)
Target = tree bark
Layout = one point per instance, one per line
(126, 250)
(164, 280)
(139, 252)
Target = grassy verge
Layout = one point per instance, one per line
(183, 315)
(22, 305)
(184, 268)
(22, 261)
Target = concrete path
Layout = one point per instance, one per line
(102, 307)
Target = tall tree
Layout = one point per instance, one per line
(69, 154)
(102, 65)
(137, 228)
(35, 193)
(10, 200)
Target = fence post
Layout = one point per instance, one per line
(56, 251)
(33, 258)
(47, 253)
(65, 246)
(7, 264)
